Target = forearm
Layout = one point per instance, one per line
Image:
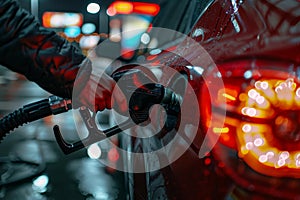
(39, 54)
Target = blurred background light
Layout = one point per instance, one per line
(88, 28)
(125, 7)
(145, 38)
(93, 8)
(111, 11)
(89, 41)
(72, 31)
(115, 30)
(61, 19)
(94, 151)
(113, 155)
(40, 183)
(133, 27)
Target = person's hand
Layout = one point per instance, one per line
(96, 90)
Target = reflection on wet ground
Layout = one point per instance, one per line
(32, 167)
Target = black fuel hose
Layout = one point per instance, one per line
(33, 111)
(142, 99)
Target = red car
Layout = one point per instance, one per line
(250, 120)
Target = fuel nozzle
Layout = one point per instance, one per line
(171, 100)
(142, 92)
(144, 97)
(141, 98)
(59, 105)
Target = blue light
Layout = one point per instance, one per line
(40, 183)
(72, 31)
(88, 28)
(132, 42)
(248, 74)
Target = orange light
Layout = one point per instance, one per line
(228, 96)
(47, 19)
(146, 8)
(256, 142)
(220, 130)
(125, 7)
(256, 148)
(262, 114)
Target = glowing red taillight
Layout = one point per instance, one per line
(262, 114)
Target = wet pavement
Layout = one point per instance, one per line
(32, 166)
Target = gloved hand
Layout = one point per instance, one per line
(49, 60)
(96, 90)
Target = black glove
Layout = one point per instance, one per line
(39, 54)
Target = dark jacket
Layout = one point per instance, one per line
(39, 54)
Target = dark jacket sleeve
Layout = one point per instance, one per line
(39, 54)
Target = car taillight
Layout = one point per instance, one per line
(262, 119)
